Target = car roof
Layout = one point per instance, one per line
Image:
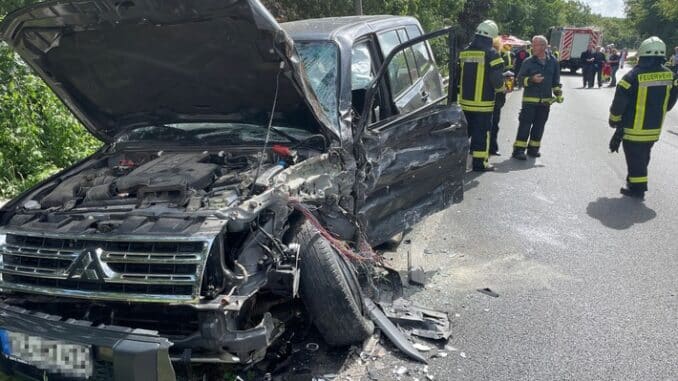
(348, 27)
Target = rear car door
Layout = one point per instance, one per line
(413, 161)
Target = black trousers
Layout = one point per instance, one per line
(479, 125)
(499, 102)
(532, 120)
(598, 72)
(637, 159)
(588, 73)
(613, 77)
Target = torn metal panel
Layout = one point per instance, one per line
(391, 331)
(414, 167)
(418, 321)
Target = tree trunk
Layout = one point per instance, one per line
(358, 6)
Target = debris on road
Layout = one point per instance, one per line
(415, 270)
(401, 371)
(422, 347)
(312, 347)
(488, 292)
(391, 331)
(418, 321)
(462, 354)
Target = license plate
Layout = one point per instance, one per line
(72, 360)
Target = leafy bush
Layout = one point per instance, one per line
(38, 135)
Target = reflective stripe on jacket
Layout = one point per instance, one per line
(641, 101)
(540, 92)
(481, 76)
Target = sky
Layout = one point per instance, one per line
(612, 8)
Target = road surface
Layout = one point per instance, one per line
(587, 279)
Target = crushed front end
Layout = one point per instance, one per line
(183, 257)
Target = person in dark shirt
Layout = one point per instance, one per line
(598, 62)
(614, 63)
(521, 56)
(587, 69)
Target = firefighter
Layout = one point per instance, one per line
(640, 103)
(500, 98)
(540, 75)
(481, 78)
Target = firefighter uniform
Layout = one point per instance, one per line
(640, 103)
(500, 99)
(481, 77)
(537, 101)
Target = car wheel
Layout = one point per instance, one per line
(330, 291)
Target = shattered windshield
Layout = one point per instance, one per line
(320, 62)
(213, 134)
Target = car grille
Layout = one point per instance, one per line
(141, 270)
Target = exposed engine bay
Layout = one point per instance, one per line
(113, 189)
(177, 180)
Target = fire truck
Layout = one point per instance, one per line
(568, 43)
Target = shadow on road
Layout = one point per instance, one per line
(620, 213)
(512, 165)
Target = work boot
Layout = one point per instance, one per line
(486, 168)
(633, 193)
(495, 153)
(480, 165)
(519, 154)
(533, 153)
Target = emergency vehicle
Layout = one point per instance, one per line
(568, 43)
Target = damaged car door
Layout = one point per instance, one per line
(412, 161)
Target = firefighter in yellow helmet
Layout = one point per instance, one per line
(481, 78)
(640, 103)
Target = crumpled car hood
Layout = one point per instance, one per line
(118, 64)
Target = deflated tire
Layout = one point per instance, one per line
(330, 291)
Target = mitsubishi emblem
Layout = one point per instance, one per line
(88, 266)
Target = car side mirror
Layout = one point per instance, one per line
(373, 86)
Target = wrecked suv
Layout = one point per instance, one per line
(246, 165)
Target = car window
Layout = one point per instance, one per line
(388, 41)
(320, 63)
(362, 71)
(409, 56)
(421, 52)
(398, 69)
(413, 31)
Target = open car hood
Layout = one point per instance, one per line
(118, 64)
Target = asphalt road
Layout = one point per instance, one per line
(586, 278)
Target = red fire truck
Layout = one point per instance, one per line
(568, 43)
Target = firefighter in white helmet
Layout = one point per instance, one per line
(640, 103)
(481, 79)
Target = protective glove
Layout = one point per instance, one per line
(613, 124)
(616, 140)
(558, 92)
(560, 98)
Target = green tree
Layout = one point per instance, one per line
(654, 18)
(38, 135)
